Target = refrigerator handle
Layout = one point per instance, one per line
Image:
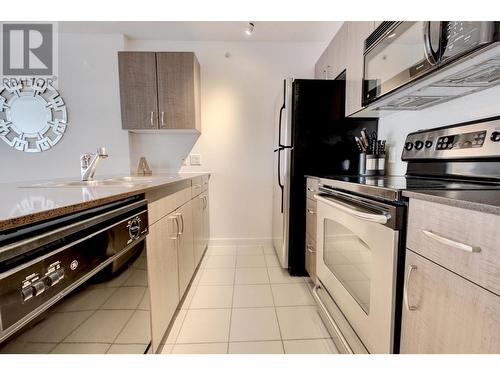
(278, 150)
(279, 125)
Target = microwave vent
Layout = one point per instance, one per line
(484, 75)
(413, 102)
(378, 33)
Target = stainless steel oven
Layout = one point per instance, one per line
(357, 243)
(397, 53)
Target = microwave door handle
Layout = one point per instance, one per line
(353, 211)
(430, 54)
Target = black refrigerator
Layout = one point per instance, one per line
(312, 137)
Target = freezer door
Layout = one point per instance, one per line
(281, 175)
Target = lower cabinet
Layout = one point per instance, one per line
(445, 313)
(163, 275)
(178, 236)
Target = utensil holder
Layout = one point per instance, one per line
(362, 164)
(371, 165)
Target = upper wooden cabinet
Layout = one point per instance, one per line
(159, 90)
(357, 33)
(337, 57)
(320, 68)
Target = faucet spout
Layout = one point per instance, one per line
(89, 161)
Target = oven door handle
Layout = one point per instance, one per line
(354, 211)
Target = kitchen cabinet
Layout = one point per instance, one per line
(185, 248)
(163, 275)
(452, 284)
(311, 227)
(448, 313)
(138, 90)
(177, 221)
(320, 68)
(159, 90)
(336, 53)
(358, 31)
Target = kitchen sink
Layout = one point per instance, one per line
(126, 181)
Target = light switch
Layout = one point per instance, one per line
(195, 159)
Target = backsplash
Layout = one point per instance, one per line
(395, 127)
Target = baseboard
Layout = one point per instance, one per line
(240, 242)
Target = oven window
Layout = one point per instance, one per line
(350, 260)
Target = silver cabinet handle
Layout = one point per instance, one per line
(351, 210)
(175, 219)
(197, 186)
(182, 222)
(152, 119)
(309, 248)
(311, 189)
(310, 212)
(409, 307)
(162, 121)
(452, 243)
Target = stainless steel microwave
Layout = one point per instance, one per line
(397, 53)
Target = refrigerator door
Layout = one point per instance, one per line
(281, 182)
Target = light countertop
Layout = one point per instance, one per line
(478, 200)
(21, 205)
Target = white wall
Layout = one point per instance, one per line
(237, 97)
(395, 127)
(88, 82)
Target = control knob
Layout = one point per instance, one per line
(53, 278)
(38, 287)
(428, 144)
(27, 293)
(419, 145)
(495, 136)
(408, 146)
(134, 228)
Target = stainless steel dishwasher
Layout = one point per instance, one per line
(77, 284)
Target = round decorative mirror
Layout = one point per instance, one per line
(33, 116)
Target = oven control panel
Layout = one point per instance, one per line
(469, 141)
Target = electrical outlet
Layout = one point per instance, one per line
(195, 159)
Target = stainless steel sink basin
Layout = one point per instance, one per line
(126, 181)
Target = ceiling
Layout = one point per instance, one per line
(265, 31)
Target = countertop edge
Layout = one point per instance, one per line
(433, 196)
(18, 221)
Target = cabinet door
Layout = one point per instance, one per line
(206, 221)
(449, 313)
(320, 67)
(336, 62)
(198, 230)
(163, 276)
(358, 31)
(178, 90)
(185, 251)
(138, 91)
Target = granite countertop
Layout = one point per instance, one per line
(478, 200)
(21, 205)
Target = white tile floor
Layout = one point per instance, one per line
(242, 301)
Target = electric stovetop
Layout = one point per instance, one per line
(391, 187)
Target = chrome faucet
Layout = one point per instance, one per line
(89, 161)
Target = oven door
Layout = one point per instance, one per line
(356, 263)
(404, 52)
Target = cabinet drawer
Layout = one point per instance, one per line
(449, 313)
(311, 257)
(464, 241)
(311, 215)
(161, 206)
(312, 187)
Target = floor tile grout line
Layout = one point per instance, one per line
(276, 313)
(231, 313)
